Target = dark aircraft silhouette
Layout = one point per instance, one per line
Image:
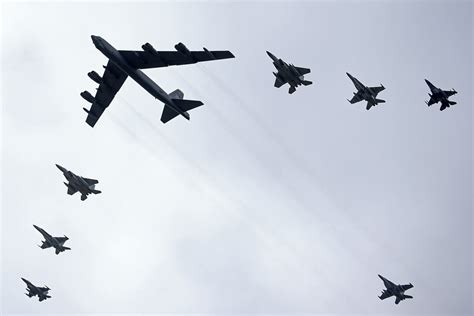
(76, 183)
(394, 290)
(288, 73)
(32, 290)
(50, 241)
(368, 94)
(123, 63)
(438, 95)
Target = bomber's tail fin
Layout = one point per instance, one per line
(176, 94)
(306, 82)
(184, 105)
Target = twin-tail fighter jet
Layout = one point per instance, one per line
(77, 183)
(126, 63)
(50, 241)
(288, 73)
(368, 94)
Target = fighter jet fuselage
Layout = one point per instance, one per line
(136, 74)
(366, 93)
(288, 73)
(439, 95)
(56, 242)
(393, 289)
(33, 290)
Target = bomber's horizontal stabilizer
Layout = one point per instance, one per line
(184, 105)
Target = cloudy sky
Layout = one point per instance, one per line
(264, 202)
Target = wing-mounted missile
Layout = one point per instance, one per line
(95, 77)
(87, 96)
(181, 48)
(209, 53)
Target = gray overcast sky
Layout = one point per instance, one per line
(264, 202)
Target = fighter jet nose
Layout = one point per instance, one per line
(270, 55)
(60, 168)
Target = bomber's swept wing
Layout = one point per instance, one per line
(91, 181)
(109, 85)
(303, 71)
(150, 58)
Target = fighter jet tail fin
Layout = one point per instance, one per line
(379, 101)
(96, 191)
(291, 90)
(306, 82)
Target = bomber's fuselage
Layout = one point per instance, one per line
(136, 74)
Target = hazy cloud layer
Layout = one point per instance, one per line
(263, 202)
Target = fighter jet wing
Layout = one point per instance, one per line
(61, 240)
(279, 82)
(385, 294)
(91, 181)
(151, 58)
(378, 89)
(430, 102)
(407, 286)
(449, 92)
(110, 84)
(45, 245)
(71, 190)
(303, 71)
(356, 98)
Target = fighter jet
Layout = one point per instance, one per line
(50, 241)
(288, 73)
(438, 95)
(76, 183)
(32, 290)
(368, 94)
(394, 290)
(124, 63)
